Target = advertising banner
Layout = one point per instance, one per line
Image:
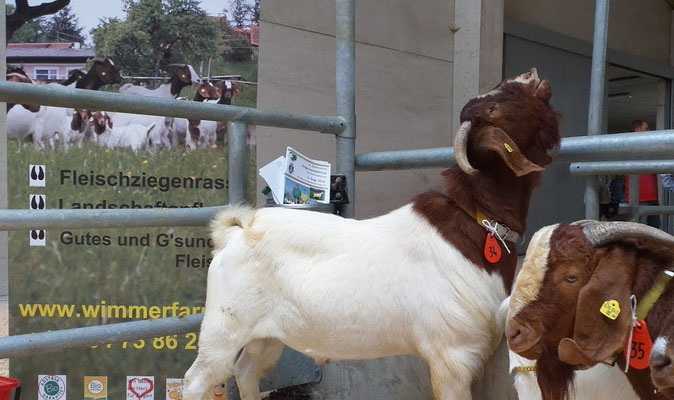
(71, 278)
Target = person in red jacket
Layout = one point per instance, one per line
(648, 185)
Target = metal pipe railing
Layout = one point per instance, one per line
(595, 109)
(21, 93)
(16, 220)
(639, 210)
(616, 147)
(237, 162)
(346, 98)
(622, 167)
(55, 341)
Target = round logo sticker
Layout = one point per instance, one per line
(95, 386)
(51, 387)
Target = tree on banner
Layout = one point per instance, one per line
(64, 27)
(24, 13)
(156, 33)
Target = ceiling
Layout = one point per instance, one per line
(631, 96)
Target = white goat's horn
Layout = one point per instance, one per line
(600, 233)
(460, 149)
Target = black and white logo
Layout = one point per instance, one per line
(38, 237)
(37, 175)
(37, 202)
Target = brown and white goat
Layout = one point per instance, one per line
(183, 75)
(52, 123)
(189, 129)
(569, 272)
(102, 72)
(21, 78)
(413, 281)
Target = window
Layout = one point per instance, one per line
(46, 74)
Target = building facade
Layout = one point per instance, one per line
(48, 61)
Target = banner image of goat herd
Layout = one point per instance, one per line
(92, 159)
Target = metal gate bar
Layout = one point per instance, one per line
(21, 93)
(595, 110)
(51, 342)
(615, 147)
(16, 220)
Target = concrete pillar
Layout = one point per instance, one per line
(478, 50)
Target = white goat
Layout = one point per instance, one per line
(132, 137)
(414, 281)
(46, 126)
(158, 137)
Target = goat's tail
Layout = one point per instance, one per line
(233, 218)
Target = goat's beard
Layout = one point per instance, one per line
(555, 378)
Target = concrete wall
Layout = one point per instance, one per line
(404, 66)
(641, 28)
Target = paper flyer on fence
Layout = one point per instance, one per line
(297, 179)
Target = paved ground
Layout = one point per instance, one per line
(4, 330)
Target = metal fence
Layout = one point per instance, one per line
(586, 154)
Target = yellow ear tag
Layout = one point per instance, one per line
(611, 309)
(507, 147)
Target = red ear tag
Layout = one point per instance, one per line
(492, 250)
(641, 346)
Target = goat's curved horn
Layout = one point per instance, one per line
(600, 233)
(460, 149)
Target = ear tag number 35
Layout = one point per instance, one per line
(642, 344)
(492, 250)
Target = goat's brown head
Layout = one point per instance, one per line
(569, 272)
(13, 69)
(74, 76)
(79, 119)
(662, 355)
(106, 72)
(22, 78)
(99, 120)
(228, 90)
(513, 123)
(185, 74)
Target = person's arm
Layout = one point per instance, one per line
(668, 182)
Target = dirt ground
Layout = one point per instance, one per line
(4, 330)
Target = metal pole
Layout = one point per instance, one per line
(237, 162)
(622, 167)
(615, 147)
(55, 341)
(634, 196)
(346, 98)
(596, 107)
(21, 93)
(16, 220)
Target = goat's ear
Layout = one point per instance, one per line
(184, 75)
(76, 123)
(493, 139)
(107, 117)
(597, 337)
(543, 91)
